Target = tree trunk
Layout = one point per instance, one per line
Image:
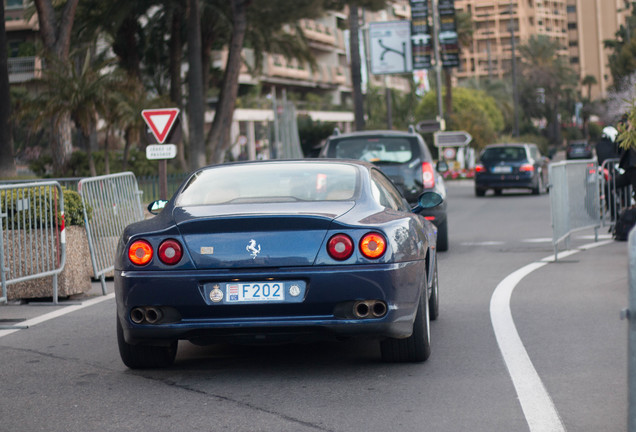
(7, 161)
(219, 136)
(175, 75)
(448, 82)
(107, 151)
(56, 37)
(196, 108)
(356, 78)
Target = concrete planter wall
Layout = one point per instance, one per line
(75, 277)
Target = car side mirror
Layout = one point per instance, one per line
(156, 206)
(428, 200)
(442, 166)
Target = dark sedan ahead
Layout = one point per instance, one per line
(277, 251)
(511, 166)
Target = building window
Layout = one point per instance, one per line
(571, 26)
(571, 8)
(14, 4)
(574, 60)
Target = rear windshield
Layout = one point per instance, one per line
(270, 182)
(495, 154)
(374, 149)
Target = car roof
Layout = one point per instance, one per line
(509, 145)
(373, 132)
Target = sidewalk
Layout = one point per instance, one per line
(15, 312)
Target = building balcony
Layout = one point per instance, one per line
(318, 32)
(23, 69)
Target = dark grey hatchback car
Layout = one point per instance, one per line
(405, 158)
(511, 166)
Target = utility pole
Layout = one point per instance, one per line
(515, 93)
(438, 63)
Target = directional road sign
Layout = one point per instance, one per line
(451, 138)
(390, 46)
(160, 121)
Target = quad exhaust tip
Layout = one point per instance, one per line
(149, 314)
(369, 309)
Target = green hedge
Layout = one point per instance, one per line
(39, 203)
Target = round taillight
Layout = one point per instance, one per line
(170, 251)
(373, 245)
(340, 247)
(140, 252)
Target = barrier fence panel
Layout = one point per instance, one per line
(616, 194)
(574, 199)
(32, 240)
(630, 314)
(110, 203)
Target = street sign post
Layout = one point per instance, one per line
(452, 139)
(160, 122)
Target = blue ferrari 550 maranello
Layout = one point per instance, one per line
(278, 251)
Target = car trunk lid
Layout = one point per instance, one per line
(256, 235)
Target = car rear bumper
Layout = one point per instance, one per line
(324, 312)
(486, 181)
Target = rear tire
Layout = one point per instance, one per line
(442, 236)
(433, 301)
(480, 192)
(415, 348)
(145, 356)
(537, 190)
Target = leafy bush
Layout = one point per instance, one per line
(38, 202)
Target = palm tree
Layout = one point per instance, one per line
(589, 81)
(74, 91)
(544, 68)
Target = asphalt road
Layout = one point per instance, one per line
(64, 374)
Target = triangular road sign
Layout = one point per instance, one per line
(160, 121)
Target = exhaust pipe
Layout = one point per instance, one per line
(379, 309)
(153, 315)
(361, 309)
(366, 308)
(137, 315)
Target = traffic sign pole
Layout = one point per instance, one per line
(160, 122)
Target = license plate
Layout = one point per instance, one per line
(502, 169)
(255, 292)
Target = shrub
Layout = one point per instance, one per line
(14, 204)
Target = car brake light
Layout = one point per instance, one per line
(479, 168)
(140, 252)
(340, 247)
(373, 245)
(526, 168)
(428, 175)
(170, 251)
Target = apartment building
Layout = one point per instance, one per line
(580, 26)
(590, 22)
(496, 22)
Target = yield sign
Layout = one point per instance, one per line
(160, 121)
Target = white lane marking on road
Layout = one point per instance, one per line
(538, 408)
(484, 243)
(58, 313)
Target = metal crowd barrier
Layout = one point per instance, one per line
(574, 199)
(32, 240)
(114, 202)
(614, 198)
(630, 314)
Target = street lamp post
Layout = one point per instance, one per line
(515, 93)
